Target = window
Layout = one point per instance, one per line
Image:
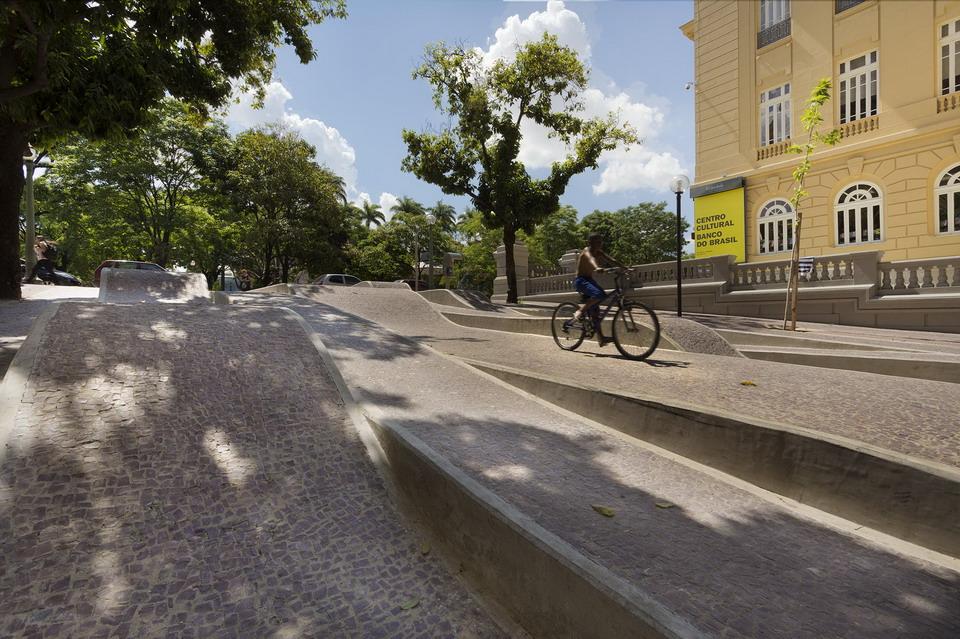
(776, 227)
(858, 87)
(859, 215)
(774, 21)
(843, 5)
(773, 12)
(775, 115)
(948, 201)
(950, 57)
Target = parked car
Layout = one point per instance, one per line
(142, 266)
(337, 279)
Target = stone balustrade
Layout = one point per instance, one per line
(551, 284)
(829, 270)
(910, 276)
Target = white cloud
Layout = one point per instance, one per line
(555, 19)
(642, 167)
(387, 202)
(333, 149)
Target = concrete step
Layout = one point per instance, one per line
(909, 498)
(941, 368)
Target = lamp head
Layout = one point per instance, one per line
(431, 218)
(679, 183)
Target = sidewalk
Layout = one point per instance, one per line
(730, 561)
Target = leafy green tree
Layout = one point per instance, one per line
(477, 270)
(97, 68)
(645, 233)
(488, 106)
(289, 210)
(384, 255)
(603, 223)
(556, 235)
(371, 214)
(407, 206)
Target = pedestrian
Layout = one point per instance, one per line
(46, 252)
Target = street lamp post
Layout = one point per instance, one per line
(678, 185)
(431, 219)
(29, 236)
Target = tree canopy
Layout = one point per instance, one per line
(97, 69)
(487, 105)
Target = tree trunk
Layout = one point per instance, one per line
(285, 269)
(509, 238)
(793, 281)
(13, 142)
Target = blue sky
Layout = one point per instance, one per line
(353, 101)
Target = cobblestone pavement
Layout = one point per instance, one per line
(911, 416)
(191, 472)
(733, 564)
(17, 316)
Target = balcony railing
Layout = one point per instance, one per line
(863, 125)
(773, 33)
(843, 5)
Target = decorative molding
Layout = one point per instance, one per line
(855, 165)
(956, 143)
(773, 184)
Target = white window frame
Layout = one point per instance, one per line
(775, 115)
(773, 12)
(775, 220)
(861, 83)
(864, 200)
(949, 59)
(946, 198)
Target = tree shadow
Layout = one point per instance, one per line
(732, 564)
(189, 472)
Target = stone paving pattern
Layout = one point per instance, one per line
(183, 471)
(910, 416)
(733, 564)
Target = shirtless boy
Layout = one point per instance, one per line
(589, 263)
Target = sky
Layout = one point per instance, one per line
(355, 98)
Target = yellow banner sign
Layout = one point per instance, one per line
(718, 224)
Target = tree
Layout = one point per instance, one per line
(407, 206)
(288, 208)
(445, 214)
(371, 214)
(645, 233)
(604, 223)
(811, 120)
(97, 68)
(488, 105)
(556, 235)
(477, 269)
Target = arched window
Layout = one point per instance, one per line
(776, 227)
(859, 214)
(948, 201)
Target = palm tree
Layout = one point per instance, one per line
(445, 214)
(371, 214)
(407, 206)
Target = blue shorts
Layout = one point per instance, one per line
(589, 288)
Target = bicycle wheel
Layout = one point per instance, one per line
(636, 331)
(567, 337)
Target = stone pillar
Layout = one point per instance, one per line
(521, 260)
(865, 265)
(568, 261)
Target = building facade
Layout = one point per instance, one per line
(892, 184)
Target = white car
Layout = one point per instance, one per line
(336, 279)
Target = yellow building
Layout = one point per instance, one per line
(893, 182)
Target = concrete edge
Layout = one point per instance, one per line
(867, 362)
(541, 559)
(220, 297)
(712, 437)
(14, 382)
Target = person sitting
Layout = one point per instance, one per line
(45, 251)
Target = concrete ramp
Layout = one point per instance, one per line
(459, 298)
(192, 471)
(132, 286)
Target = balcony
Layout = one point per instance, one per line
(774, 32)
(863, 125)
(843, 5)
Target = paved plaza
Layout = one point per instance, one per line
(192, 471)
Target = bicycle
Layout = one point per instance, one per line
(636, 329)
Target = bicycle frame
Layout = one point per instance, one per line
(612, 299)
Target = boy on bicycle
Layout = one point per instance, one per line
(589, 263)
